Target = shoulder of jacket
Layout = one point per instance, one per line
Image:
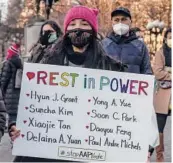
(7, 62)
(138, 43)
(35, 46)
(106, 41)
(7, 65)
(141, 46)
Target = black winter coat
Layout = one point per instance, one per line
(130, 51)
(95, 59)
(10, 93)
(2, 116)
(38, 52)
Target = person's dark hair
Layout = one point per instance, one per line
(166, 34)
(167, 50)
(54, 25)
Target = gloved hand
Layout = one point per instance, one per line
(14, 132)
(116, 65)
(120, 66)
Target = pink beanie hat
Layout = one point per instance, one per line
(82, 12)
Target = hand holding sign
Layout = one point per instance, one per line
(14, 133)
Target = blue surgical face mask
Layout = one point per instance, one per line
(53, 37)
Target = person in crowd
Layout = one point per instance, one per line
(8, 78)
(162, 97)
(122, 44)
(49, 34)
(2, 115)
(79, 47)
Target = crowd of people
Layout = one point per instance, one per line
(78, 45)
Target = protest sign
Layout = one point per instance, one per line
(80, 114)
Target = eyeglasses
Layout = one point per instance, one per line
(121, 19)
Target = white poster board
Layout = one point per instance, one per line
(83, 114)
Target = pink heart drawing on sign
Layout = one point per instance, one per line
(22, 135)
(89, 100)
(88, 113)
(86, 140)
(30, 75)
(24, 121)
(87, 127)
(26, 108)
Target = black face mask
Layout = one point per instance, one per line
(45, 37)
(80, 37)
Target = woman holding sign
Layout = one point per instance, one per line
(79, 47)
(162, 98)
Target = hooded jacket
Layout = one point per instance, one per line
(129, 51)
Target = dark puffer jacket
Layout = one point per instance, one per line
(2, 116)
(130, 51)
(10, 93)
